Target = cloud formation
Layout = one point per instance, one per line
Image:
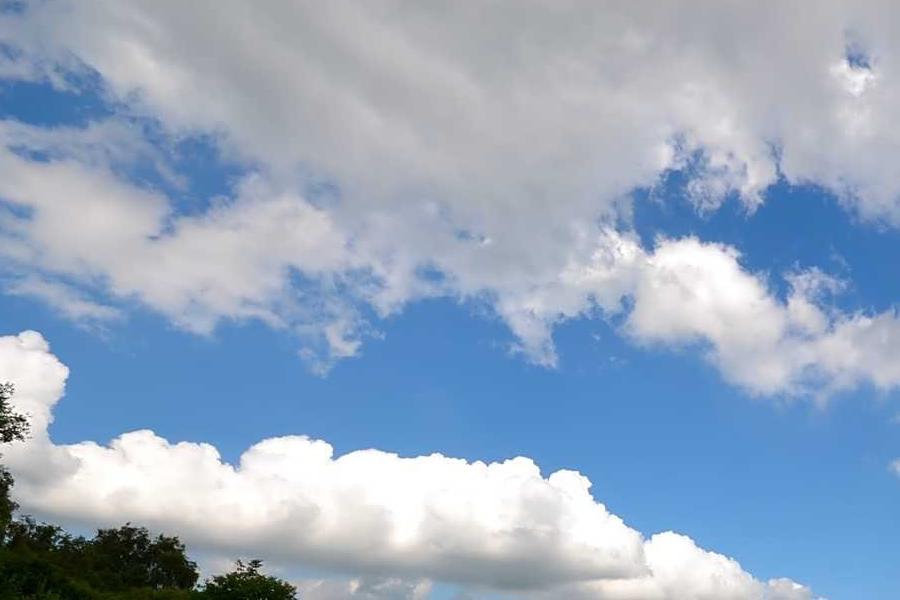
(485, 155)
(289, 499)
(239, 258)
(364, 589)
(575, 102)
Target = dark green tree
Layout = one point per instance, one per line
(246, 582)
(13, 427)
(43, 562)
(38, 561)
(128, 557)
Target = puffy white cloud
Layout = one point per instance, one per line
(690, 291)
(289, 499)
(292, 498)
(681, 570)
(687, 292)
(475, 154)
(364, 589)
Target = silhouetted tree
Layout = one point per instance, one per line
(246, 582)
(43, 562)
(128, 557)
(13, 426)
(38, 561)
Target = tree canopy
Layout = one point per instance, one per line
(13, 427)
(246, 582)
(40, 561)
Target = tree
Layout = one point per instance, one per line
(246, 582)
(43, 562)
(37, 563)
(13, 426)
(128, 557)
(7, 505)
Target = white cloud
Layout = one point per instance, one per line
(234, 260)
(363, 589)
(238, 260)
(493, 149)
(681, 570)
(510, 105)
(371, 513)
(112, 141)
(690, 291)
(64, 299)
(686, 292)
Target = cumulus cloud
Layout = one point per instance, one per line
(364, 589)
(680, 569)
(395, 521)
(688, 290)
(481, 155)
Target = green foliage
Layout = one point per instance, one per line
(28, 576)
(246, 582)
(7, 506)
(40, 561)
(13, 426)
(43, 562)
(128, 557)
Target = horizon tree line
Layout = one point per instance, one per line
(42, 561)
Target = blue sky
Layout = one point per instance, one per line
(666, 442)
(695, 310)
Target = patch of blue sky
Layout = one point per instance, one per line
(796, 228)
(188, 168)
(39, 103)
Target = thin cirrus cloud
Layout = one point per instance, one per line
(402, 522)
(495, 147)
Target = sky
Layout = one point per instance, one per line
(462, 301)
